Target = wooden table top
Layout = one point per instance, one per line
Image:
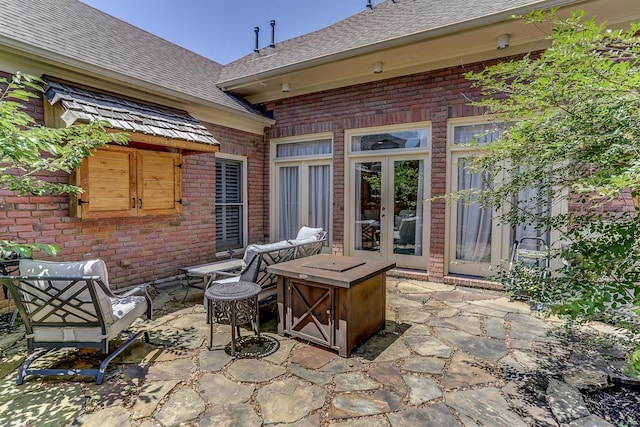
(335, 270)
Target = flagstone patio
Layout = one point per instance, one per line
(447, 357)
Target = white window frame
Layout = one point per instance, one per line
(303, 162)
(500, 232)
(245, 195)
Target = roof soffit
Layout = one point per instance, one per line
(444, 47)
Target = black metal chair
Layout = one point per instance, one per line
(70, 305)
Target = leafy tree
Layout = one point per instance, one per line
(30, 151)
(575, 137)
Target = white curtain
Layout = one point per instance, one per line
(358, 210)
(473, 222)
(319, 196)
(419, 210)
(288, 193)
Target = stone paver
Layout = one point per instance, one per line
(421, 390)
(446, 357)
(182, 406)
(150, 396)
(359, 404)
(489, 349)
(288, 400)
(114, 416)
(434, 415)
(464, 371)
(231, 416)
(217, 389)
(354, 381)
(485, 407)
(255, 371)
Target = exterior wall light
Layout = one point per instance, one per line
(503, 41)
(285, 87)
(377, 67)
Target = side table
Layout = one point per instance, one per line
(233, 304)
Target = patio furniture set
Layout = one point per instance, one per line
(334, 301)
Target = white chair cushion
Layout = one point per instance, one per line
(249, 267)
(94, 267)
(307, 232)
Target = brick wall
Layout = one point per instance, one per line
(434, 96)
(143, 249)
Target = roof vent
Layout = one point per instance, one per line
(273, 34)
(369, 5)
(256, 49)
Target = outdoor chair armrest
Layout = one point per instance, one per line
(139, 290)
(226, 273)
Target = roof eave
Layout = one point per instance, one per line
(232, 84)
(77, 66)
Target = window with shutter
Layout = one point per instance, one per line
(229, 204)
(122, 181)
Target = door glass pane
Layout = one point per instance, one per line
(288, 194)
(368, 182)
(319, 197)
(303, 149)
(529, 233)
(399, 140)
(408, 180)
(473, 222)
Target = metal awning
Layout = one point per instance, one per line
(82, 105)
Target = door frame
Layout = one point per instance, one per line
(387, 157)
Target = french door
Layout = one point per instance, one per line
(387, 209)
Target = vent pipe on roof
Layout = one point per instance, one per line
(256, 49)
(369, 5)
(273, 34)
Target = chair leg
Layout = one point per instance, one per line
(24, 370)
(115, 353)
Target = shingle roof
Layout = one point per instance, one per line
(77, 31)
(383, 23)
(84, 105)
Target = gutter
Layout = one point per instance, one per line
(228, 85)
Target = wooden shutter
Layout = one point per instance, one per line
(109, 183)
(159, 183)
(123, 182)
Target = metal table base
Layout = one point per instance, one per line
(233, 304)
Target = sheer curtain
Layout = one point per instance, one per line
(473, 227)
(288, 192)
(316, 198)
(319, 196)
(474, 222)
(419, 209)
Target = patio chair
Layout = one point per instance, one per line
(70, 305)
(257, 258)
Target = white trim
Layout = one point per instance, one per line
(419, 153)
(501, 233)
(348, 133)
(245, 194)
(303, 162)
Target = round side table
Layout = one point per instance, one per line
(233, 304)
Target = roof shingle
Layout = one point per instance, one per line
(74, 30)
(84, 105)
(385, 22)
